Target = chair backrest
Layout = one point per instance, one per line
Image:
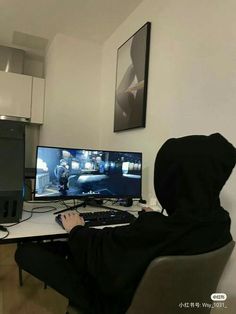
(176, 284)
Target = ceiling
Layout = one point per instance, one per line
(30, 24)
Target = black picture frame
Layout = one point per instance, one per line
(132, 81)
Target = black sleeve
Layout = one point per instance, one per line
(80, 243)
(115, 256)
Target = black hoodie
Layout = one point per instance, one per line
(189, 175)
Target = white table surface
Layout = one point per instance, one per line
(43, 224)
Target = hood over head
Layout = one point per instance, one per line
(190, 172)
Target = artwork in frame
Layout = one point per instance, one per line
(132, 80)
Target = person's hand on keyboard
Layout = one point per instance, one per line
(71, 219)
(147, 209)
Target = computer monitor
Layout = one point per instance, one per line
(63, 173)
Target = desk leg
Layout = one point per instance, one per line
(20, 271)
(20, 277)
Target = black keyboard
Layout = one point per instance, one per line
(102, 218)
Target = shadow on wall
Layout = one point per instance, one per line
(31, 142)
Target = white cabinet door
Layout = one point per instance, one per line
(15, 94)
(37, 106)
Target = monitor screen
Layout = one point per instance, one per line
(85, 173)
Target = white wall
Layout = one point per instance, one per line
(192, 87)
(72, 96)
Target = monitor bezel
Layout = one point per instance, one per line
(81, 197)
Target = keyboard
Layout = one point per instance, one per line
(103, 218)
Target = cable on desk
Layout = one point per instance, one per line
(32, 211)
(40, 212)
(4, 229)
(17, 223)
(42, 202)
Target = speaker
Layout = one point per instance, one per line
(12, 163)
(127, 202)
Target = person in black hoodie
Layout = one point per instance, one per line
(104, 266)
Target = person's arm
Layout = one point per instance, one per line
(137, 86)
(125, 98)
(80, 238)
(126, 80)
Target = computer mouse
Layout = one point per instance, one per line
(58, 220)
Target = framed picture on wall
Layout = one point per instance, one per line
(132, 80)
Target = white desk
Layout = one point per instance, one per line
(43, 225)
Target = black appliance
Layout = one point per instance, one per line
(12, 162)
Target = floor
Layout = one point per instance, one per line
(32, 298)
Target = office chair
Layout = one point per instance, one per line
(173, 284)
(180, 284)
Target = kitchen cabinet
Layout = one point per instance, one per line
(22, 96)
(15, 94)
(37, 104)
